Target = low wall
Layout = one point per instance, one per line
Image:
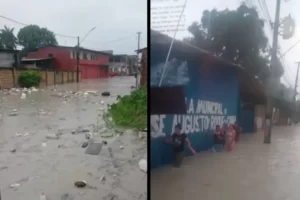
(9, 77)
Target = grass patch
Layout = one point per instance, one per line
(131, 110)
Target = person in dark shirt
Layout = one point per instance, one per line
(219, 139)
(178, 142)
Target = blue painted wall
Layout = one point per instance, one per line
(218, 88)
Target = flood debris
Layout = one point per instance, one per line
(66, 196)
(13, 150)
(84, 144)
(23, 96)
(22, 134)
(94, 148)
(53, 136)
(43, 196)
(80, 184)
(105, 94)
(13, 113)
(88, 135)
(103, 178)
(143, 165)
(15, 185)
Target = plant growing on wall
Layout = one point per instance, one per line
(29, 78)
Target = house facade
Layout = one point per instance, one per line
(212, 91)
(9, 58)
(93, 64)
(122, 64)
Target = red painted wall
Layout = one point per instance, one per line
(63, 61)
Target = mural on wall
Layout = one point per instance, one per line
(176, 73)
(202, 116)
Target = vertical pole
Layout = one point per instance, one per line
(296, 83)
(77, 60)
(137, 69)
(269, 114)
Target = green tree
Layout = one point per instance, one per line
(236, 35)
(32, 36)
(7, 38)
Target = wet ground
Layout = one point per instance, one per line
(31, 164)
(252, 171)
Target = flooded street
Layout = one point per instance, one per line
(33, 160)
(252, 171)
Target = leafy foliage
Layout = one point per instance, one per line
(29, 78)
(131, 110)
(236, 35)
(7, 38)
(32, 36)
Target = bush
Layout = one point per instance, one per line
(29, 78)
(131, 110)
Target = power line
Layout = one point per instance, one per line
(67, 36)
(23, 24)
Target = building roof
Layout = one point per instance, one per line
(248, 83)
(73, 48)
(9, 50)
(35, 59)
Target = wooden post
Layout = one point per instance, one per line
(54, 72)
(46, 77)
(13, 71)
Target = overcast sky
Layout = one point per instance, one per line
(116, 21)
(195, 8)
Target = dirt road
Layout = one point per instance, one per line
(31, 162)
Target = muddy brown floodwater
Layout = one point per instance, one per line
(32, 162)
(253, 171)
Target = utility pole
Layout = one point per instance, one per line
(269, 114)
(77, 60)
(137, 69)
(296, 83)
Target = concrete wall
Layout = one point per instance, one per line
(9, 77)
(6, 59)
(211, 99)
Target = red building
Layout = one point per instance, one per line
(93, 64)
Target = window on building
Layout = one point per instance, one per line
(85, 56)
(73, 54)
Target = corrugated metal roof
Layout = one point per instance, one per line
(36, 59)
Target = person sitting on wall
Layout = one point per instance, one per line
(219, 139)
(178, 140)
